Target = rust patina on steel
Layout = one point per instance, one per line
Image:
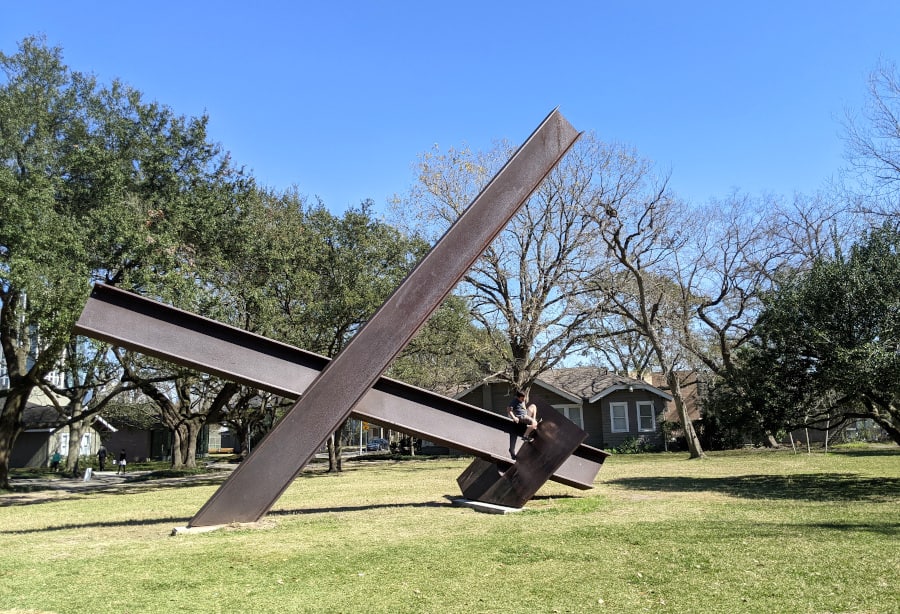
(140, 324)
(330, 397)
(514, 485)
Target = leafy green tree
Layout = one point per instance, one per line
(307, 277)
(827, 343)
(95, 184)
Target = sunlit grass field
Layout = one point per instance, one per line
(743, 531)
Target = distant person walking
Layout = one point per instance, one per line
(123, 460)
(101, 458)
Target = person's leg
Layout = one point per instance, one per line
(530, 429)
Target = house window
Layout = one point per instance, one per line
(619, 415)
(646, 416)
(64, 444)
(572, 412)
(85, 445)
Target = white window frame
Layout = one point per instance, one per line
(618, 405)
(85, 448)
(567, 411)
(643, 406)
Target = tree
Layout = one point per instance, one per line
(644, 237)
(528, 290)
(827, 343)
(97, 185)
(309, 278)
(873, 145)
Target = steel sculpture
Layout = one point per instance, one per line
(352, 381)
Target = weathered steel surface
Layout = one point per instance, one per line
(140, 324)
(252, 489)
(512, 486)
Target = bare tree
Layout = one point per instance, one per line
(530, 285)
(648, 232)
(873, 146)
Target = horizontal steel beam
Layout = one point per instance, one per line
(136, 323)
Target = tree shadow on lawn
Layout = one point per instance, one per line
(801, 487)
(183, 520)
(892, 451)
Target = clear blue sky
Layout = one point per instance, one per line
(339, 98)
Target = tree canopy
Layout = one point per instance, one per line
(826, 347)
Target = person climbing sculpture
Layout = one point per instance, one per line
(522, 414)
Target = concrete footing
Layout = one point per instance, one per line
(485, 508)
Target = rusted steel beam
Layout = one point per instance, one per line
(513, 486)
(143, 325)
(257, 483)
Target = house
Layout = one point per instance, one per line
(45, 433)
(143, 441)
(613, 409)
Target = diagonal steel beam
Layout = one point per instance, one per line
(143, 325)
(258, 482)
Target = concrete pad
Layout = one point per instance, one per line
(262, 524)
(486, 508)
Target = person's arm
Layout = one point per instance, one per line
(509, 412)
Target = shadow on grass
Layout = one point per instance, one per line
(801, 487)
(867, 451)
(183, 520)
(99, 525)
(76, 489)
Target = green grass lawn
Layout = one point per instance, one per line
(739, 532)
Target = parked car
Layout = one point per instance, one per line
(376, 444)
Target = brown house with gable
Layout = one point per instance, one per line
(612, 408)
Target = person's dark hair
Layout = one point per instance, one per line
(520, 394)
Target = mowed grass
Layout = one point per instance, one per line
(738, 532)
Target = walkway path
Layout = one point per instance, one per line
(31, 490)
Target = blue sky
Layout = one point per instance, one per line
(339, 98)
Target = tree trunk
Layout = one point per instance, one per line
(334, 455)
(184, 446)
(770, 441)
(10, 421)
(690, 435)
(177, 448)
(76, 432)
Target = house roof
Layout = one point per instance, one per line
(39, 418)
(692, 385)
(583, 383)
(593, 383)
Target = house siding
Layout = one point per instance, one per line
(493, 397)
(34, 448)
(596, 416)
(601, 412)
